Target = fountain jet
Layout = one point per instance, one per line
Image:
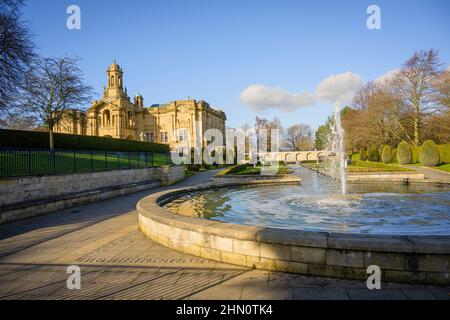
(337, 146)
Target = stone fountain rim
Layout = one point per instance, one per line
(150, 207)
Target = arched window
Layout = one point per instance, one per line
(112, 81)
(106, 118)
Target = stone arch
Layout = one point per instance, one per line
(130, 137)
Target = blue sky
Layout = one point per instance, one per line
(214, 50)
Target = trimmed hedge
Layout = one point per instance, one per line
(404, 153)
(429, 155)
(373, 154)
(355, 157)
(40, 140)
(415, 151)
(444, 153)
(394, 156)
(386, 154)
(363, 154)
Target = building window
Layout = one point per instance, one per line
(164, 138)
(183, 135)
(106, 118)
(152, 138)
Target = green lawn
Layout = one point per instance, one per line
(444, 167)
(249, 169)
(21, 163)
(363, 166)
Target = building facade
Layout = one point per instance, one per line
(116, 116)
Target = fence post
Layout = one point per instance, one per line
(129, 159)
(106, 163)
(53, 155)
(74, 161)
(145, 157)
(92, 161)
(29, 162)
(118, 160)
(151, 155)
(138, 156)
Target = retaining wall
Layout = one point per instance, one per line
(25, 197)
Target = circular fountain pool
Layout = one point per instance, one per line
(316, 205)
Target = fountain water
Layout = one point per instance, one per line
(339, 163)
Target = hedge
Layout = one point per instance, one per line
(444, 153)
(40, 140)
(363, 154)
(429, 155)
(415, 154)
(373, 154)
(394, 156)
(355, 157)
(404, 153)
(386, 154)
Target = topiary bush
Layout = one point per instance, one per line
(373, 154)
(354, 157)
(404, 153)
(415, 151)
(386, 154)
(429, 155)
(394, 156)
(363, 154)
(444, 153)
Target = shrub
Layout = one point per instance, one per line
(193, 167)
(355, 157)
(415, 151)
(404, 154)
(386, 154)
(394, 156)
(444, 153)
(363, 154)
(373, 154)
(40, 140)
(429, 155)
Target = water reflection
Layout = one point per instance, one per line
(318, 205)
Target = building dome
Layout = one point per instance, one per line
(114, 67)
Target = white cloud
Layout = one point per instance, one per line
(384, 78)
(260, 97)
(341, 86)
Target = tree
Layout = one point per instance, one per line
(299, 137)
(323, 135)
(18, 121)
(16, 53)
(264, 138)
(54, 86)
(413, 85)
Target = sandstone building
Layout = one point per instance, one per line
(116, 116)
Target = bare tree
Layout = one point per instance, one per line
(16, 53)
(299, 137)
(413, 85)
(54, 86)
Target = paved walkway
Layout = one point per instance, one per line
(431, 174)
(119, 262)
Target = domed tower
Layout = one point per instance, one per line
(115, 82)
(139, 101)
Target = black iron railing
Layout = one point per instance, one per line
(29, 162)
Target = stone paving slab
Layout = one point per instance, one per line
(119, 262)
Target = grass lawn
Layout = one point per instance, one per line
(368, 166)
(21, 163)
(363, 166)
(249, 169)
(444, 167)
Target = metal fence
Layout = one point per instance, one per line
(28, 162)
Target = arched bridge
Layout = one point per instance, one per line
(294, 156)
